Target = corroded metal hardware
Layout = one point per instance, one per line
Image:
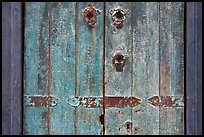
(167, 101)
(94, 102)
(41, 101)
(118, 61)
(90, 15)
(107, 101)
(118, 16)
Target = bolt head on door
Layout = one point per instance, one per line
(118, 61)
(118, 16)
(90, 15)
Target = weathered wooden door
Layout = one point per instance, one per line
(104, 68)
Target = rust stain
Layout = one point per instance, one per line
(44, 115)
(118, 61)
(45, 120)
(92, 102)
(76, 121)
(167, 101)
(118, 17)
(164, 78)
(121, 101)
(90, 15)
(39, 101)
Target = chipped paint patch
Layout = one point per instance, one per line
(167, 101)
(41, 100)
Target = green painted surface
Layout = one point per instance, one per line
(145, 75)
(65, 58)
(172, 64)
(89, 69)
(117, 83)
(62, 63)
(36, 65)
(171, 121)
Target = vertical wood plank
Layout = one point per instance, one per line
(89, 69)
(171, 64)
(194, 68)
(117, 83)
(140, 77)
(11, 68)
(16, 68)
(62, 64)
(171, 121)
(199, 129)
(6, 68)
(145, 75)
(37, 71)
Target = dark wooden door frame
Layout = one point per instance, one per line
(12, 68)
(193, 68)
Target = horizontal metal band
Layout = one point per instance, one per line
(107, 101)
(93, 102)
(167, 101)
(41, 100)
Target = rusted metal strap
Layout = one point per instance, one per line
(41, 100)
(107, 101)
(167, 101)
(94, 102)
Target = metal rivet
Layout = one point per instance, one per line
(90, 15)
(118, 16)
(118, 61)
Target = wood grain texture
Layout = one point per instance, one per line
(145, 73)
(65, 58)
(12, 68)
(194, 68)
(62, 44)
(171, 121)
(171, 64)
(36, 119)
(89, 69)
(117, 83)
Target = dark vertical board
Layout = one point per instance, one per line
(171, 64)
(16, 67)
(89, 69)
(194, 68)
(37, 66)
(62, 39)
(199, 66)
(117, 84)
(145, 17)
(6, 68)
(11, 68)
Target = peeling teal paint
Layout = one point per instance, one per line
(67, 60)
(73, 102)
